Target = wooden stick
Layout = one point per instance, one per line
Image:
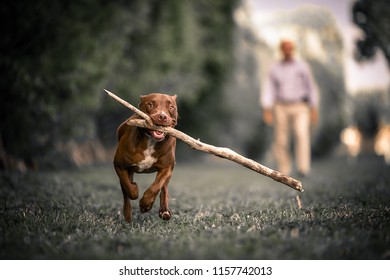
(131, 107)
(218, 151)
(223, 153)
(299, 202)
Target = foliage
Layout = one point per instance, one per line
(179, 47)
(369, 112)
(57, 56)
(51, 54)
(373, 17)
(77, 215)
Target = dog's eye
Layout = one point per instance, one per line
(171, 107)
(150, 105)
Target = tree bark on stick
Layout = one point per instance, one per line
(131, 107)
(217, 151)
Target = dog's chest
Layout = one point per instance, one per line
(148, 160)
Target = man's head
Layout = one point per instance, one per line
(287, 49)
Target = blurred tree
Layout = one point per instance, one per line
(179, 47)
(57, 56)
(373, 17)
(49, 60)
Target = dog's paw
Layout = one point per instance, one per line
(144, 208)
(165, 215)
(145, 204)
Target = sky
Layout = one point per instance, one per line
(359, 76)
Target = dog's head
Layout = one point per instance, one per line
(162, 109)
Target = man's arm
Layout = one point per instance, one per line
(312, 94)
(267, 99)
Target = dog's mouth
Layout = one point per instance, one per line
(157, 135)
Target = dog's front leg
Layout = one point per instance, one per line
(162, 180)
(164, 211)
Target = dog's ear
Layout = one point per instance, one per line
(141, 104)
(174, 97)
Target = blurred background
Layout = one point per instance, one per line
(57, 56)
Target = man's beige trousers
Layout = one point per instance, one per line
(293, 118)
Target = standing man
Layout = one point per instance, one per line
(290, 101)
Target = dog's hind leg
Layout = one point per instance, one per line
(129, 190)
(127, 210)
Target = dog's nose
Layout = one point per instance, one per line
(163, 117)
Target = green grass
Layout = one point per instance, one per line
(220, 211)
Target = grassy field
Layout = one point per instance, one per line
(220, 211)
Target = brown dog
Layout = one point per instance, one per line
(145, 151)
